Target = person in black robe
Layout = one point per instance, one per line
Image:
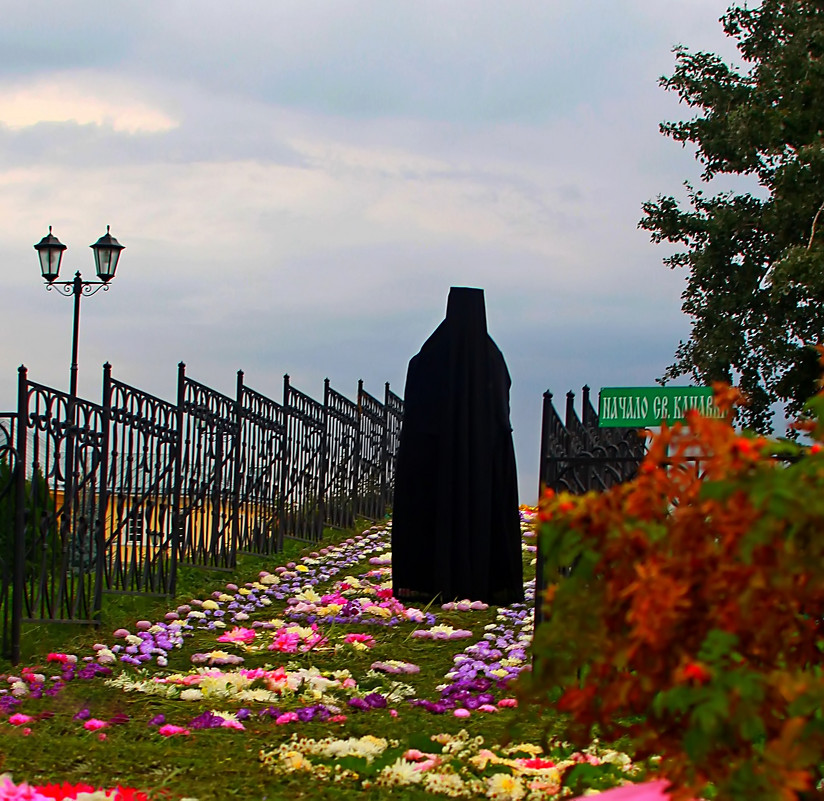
(455, 524)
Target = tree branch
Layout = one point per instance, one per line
(815, 222)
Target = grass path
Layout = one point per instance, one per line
(296, 678)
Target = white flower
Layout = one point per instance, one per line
(504, 787)
(191, 694)
(399, 773)
(446, 784)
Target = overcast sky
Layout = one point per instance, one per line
(298, 184)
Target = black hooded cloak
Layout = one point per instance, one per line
(455, 528)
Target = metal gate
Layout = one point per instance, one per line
(61, 496)
(392, 426)
(372, 440)
(303, 480)
(260, 471)
(209, 433)
(342, 457)
(141, 522)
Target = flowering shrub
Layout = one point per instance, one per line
(691, 621)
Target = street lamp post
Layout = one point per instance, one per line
(106, 255)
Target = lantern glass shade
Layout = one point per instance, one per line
(50, 250)
(106, 255)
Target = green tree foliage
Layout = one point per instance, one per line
(40, 525)
(755, 261)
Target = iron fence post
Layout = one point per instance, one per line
(284, 471)
(543, 483)
(103, 496)
(385, 450)
(19, 568)
(237, 453)
(356, 477)
(325, 451)
(177, 493)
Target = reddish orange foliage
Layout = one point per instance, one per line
(694, 611)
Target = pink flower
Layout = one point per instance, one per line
(20, 719)
(62, 658)
(487, 708)
(172, 731)
(286, 717)
(367, 639)
(338, 719)
(238, 634)
(461, 713)
(508, 702)
(9, 791)
(93, 724)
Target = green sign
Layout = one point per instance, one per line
(642, 407)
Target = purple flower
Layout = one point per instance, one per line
(208, 720)
(158, 720)
(375, 700)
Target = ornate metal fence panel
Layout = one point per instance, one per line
(209, 432)
(393, 407)
(578, 457)
(342, 458)
(260, 471)
(61, 485)
(303, 475)
(8, 475)
(370, 495)
(140, 529)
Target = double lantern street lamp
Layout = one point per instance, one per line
(106, 255)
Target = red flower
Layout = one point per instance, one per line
(695, 671)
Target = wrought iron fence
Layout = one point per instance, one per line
(111, 497)
(577, 456)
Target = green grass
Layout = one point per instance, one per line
(220, 763)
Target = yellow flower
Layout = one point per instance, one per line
(302, 569)
(294, 760)
(210, 604)
(381, 611)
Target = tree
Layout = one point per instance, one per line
(755, 260)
